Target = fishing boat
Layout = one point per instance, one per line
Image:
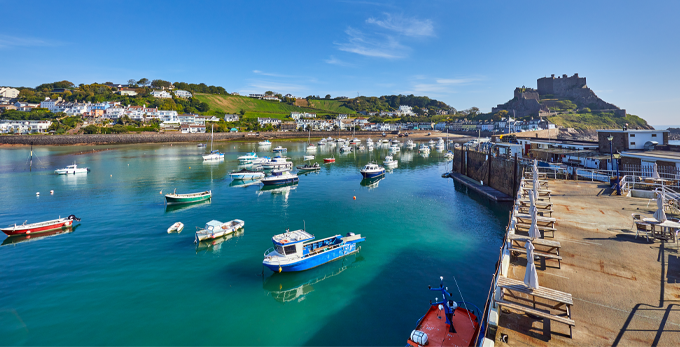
(279, 163)
(297, 251)
(175, 198)
(308, 157)
(372, 170)
(264, 143)
(248, 158)
(389, 161)
(345, 149)
(215, 229)
(395, 148)
(424, 148)
(54, 224)
(446, 322)
(71, 169)
(410, 144)
(176, 228)
(309, 167)
(214, 154)
(280, 177)
(261, 160)
(246, 174)
(448, 155)
(280, 149)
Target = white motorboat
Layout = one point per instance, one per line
(309, 157)
(176, 228)
(280, 177)
(71, 169)
(260, 161)
(368, 140)
(370, 147)
(440, 146)
(215, 229)
(321, 142)
(264, 143)
(280, 149)
(355, 141)
(278, 163)
(385, 141)
(329, 139)
(448, 155)
(395, 148)
(410, 144)
(246, 174)
(431, 143)
(345, 149)
(389, 161)
(424, 148)
(372, 170)
(248, 158)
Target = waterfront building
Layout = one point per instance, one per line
(631, 139)
(24, 126)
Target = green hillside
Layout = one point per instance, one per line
(596, 120)
(263, 108)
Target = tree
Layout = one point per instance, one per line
(160, 84)
(143, 82)
(132, 82)
(242, 112)
(328, 96)
(269, 92)
(500, 115)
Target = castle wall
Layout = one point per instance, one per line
(559, 85)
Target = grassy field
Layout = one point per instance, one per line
(262, 108)
(593, 121)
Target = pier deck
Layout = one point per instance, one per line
(487, 191)
(626, 291)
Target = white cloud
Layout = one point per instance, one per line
(403, 25)
(438, 86)
(387, 47)
(455, 80)
(335, 61)
(272, 74)
(7, 41)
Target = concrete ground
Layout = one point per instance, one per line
(626, 291)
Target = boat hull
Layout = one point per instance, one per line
(329, 160)
(186, 200)
(314, 261)
(373, 174)
(247, 176)
(280, 181)
(37, 227)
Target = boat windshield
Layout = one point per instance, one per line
(209, 227)
(279, 250)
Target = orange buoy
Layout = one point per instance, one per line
(355, 197)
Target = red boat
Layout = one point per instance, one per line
(25, 229)
(446, 323)
(329, 160)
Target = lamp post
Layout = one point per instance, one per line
(611, 152)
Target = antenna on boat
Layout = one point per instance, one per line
(462, 298)
(304, 225)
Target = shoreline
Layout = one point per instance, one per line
(112, 139)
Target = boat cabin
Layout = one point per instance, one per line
(213, 225)
(371, 167)
(293, 243)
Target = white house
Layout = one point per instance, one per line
(8, 92)
(183, 94)
(265, 121)
(258, 96)
(24, 127)
(192, 128)
(271, 98)
(406, 110)
(343, 116)
(128, 91)
(231, 118)
(161, 94)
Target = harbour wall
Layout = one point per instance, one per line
(150, 137)
(498, 173)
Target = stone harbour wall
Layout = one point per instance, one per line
(497, 173)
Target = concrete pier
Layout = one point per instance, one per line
(626, 290)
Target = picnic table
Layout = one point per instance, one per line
(665, 231)
(541, 184)
(562, 301)
(540, 211)
(540, 220)
(543, 248)
(541, 228)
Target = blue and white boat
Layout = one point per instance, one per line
(277, 163)
(372, 170)
(280, 177)
(248, 158)
(297, 251)
(280, 149)
(264, 143)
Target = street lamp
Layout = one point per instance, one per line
(611, 152)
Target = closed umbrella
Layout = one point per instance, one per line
(536, 184)
(660, 215)
(534, 233)
(530, 276)
(655, 172)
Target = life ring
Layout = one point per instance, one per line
(284, 241)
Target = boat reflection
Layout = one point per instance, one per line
(278, 190)
(215, 245)
(33, 237)
(295, 286)
(371, 183)
(178, 207)
(243, 184)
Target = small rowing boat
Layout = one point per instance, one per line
(175, 198)
(215, 228)
(24, 229)
(176, 228)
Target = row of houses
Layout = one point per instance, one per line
(24, 126)
(265, 97)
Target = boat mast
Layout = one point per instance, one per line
(212, 135)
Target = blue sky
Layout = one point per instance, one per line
(465, 53)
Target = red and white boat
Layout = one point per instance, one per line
(25, 229)
(329, 160)
(446, 323)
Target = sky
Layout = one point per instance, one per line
(465, 53)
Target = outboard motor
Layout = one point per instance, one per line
(73, 218)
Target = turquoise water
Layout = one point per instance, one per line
(120, 279)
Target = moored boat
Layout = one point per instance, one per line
(309, 157)
(264, 143)
(214, 154)
(54, 224)
(389, 161)
(280, 149)
(278, 162)
(329, 160)
(176, 228)
(309, 167)
(280, 177)
(71, 169)
(297, 251)
(248, 158)
(175, 198)
(455, 326)
(424, 148)
(245, 174)
(215, 229)
(372, 170)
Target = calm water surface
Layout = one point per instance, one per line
(120, 279)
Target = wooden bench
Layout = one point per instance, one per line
(542, 228)
(526, 218)
(540, 254)
(541, 192)
(561, 299)
(539, 204)
(553, 245)
(541, 211)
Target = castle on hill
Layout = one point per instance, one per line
(530, 101)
